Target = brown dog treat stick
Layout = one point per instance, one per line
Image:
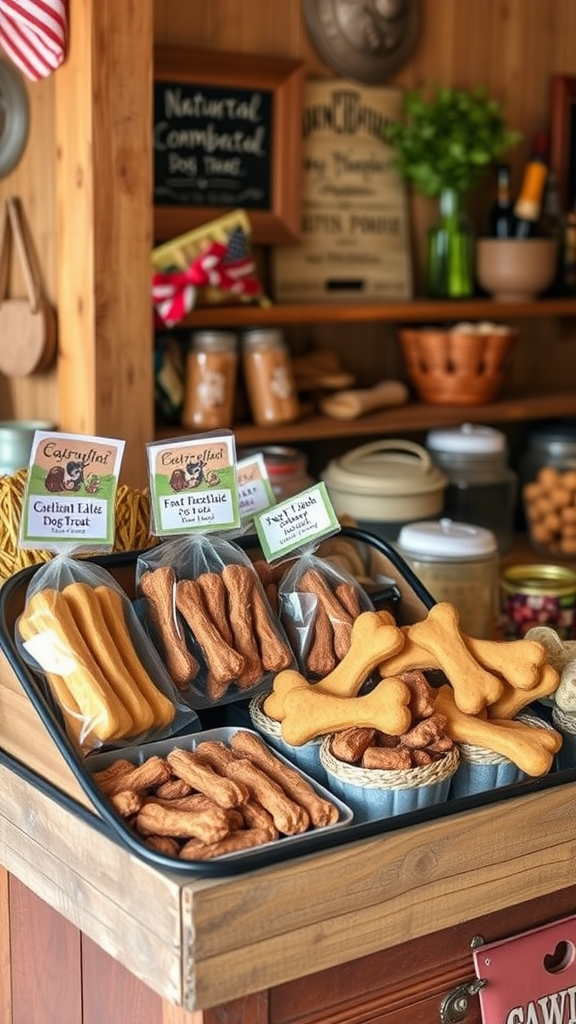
(239, 583)
(274, 651)
(163, 844)
(313, 582)
(308, 713)
(474, 686)
(257, 817)
(209, 825)
(289, 817)
(152, 772)
(349, 598)
(224, 663)
(321, 657)
(158, 587)
(236, 841)
(127, 802)
(216, 602)
(223, 791)
(321, 812)
(387, 758)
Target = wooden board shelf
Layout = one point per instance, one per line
(416, 311)
(414, 416)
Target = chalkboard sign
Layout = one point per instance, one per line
(212, 146)
(226, 135)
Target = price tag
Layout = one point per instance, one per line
(307, 516)
(531, 978)
(254, 488)
(70, 496)
(193, 484)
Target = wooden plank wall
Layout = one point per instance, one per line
(511, 46)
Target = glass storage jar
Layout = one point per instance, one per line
(210, 384)
(482, 488)
(458, 563)
(269, 378)
(287, 469)
(548, 487)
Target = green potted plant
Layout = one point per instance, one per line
(443, 146)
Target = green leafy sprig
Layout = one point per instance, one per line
(448, 141)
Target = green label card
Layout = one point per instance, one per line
(69, 501)
(193, 484)
(308, 516)
(254, 488)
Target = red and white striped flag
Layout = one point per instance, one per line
(33, 34)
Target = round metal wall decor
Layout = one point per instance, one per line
(366, 40)
(14, 117)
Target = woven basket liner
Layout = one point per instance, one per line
(376, 778)
(461, 368)
(481, 755)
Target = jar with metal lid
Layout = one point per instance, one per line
(482, 488)
(384, 484)
(210, 385)
(269, 377)
(287, 469)
(548, 487)
(457, 563)
(538, 595)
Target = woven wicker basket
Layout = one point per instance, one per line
(374, 793)
(457, 367)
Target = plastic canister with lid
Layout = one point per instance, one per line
(211, 366)
(457, 563)
(385, 484)
(482, 488)
(269, 377)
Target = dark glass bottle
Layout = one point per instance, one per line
(528, 206)
(501, 221)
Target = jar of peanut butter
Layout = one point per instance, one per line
(211, 367)
(269, 377)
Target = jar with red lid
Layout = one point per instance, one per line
(287, 469)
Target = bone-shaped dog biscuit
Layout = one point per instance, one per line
(512, 701)
(308, 713)
(474, 686)
(372, 640)
(531, 748)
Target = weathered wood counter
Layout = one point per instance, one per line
(201, 943)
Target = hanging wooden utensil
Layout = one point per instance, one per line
(27, 326)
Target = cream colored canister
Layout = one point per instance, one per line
(458, 563)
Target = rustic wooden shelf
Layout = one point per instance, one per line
(411, 417)
(414, 311)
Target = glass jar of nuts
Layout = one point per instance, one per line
(548, 484)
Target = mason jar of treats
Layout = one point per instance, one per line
(269, 377)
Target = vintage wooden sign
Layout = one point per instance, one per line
(355, 232)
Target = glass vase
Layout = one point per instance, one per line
(451, 251)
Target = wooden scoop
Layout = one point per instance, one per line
(349, 405)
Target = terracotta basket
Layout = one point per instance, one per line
(452, 367)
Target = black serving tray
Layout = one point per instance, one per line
(105, 820)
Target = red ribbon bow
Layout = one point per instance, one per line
(174, 292)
